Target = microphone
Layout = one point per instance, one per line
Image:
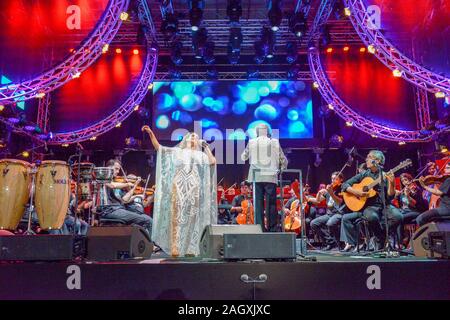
(204, 143)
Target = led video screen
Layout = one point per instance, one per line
(232, 110)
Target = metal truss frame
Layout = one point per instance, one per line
(76, 63)
(321, 18)
(422, 108)
(44, 113)
(134, 99)
(351, 116)
(390, 56)
(229, 75)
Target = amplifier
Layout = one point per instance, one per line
(439, 243)
(36, 247)
(269, 245)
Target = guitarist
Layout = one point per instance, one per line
(326, 225)
(373, 209)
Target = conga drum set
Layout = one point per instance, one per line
(48, 184)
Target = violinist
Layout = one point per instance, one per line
(443, 211)
(326, 227)
(135, 199)
(236, 204)
(224, 216)
(118, 192)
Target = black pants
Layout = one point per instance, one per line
(326, 227)
(432, 214)
(268, 191)
(349, 232)
(409, 216)
(129, 217)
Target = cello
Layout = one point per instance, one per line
(247, 216)
(292, 222)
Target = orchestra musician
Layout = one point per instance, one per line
(236, 204)
(373, 209)
(224, 216)
(326, 227)
(443, 210)
(119, 193)
(266, 159)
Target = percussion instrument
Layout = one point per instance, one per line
(103, 176)
(52, 194)
(85, 177)
(15, 184)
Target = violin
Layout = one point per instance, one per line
(148, 192)
(433, 179)
(129, 178)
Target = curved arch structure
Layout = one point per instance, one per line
(349, 115)
(136, 97)
(77, 62)
(391, 56)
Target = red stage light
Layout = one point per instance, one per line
(329, 50)
(135, 51)
(118, 51)
(362, 49)
(346, 48)
(72, 50)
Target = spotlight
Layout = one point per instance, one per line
(150, 86)
(298, 25)
(349, 123)
(72, 50)
(275, 15)
(292, 55)
(124, 16)
(25, 154)
(93, 138)
(65, 145)
(397, 73)
(315, 85)
(347, 12)
(311, 45)
(252, 74)
(175, 55)
(105, 48)
(346, 48)
(199, 40)
(2, 107)
(401, 143)
(330, 106)
(374, 136)
(336, 141)
(118, 124)
(135, 51)
(118, 51)
(292, 74)
(233, 57)
(40, 95)
(329, 50)
(196, 13)
(76, 74)
(371, 48)
(443, 149)
(234, 11)
(324, 111)
(266, 47)
(362, 49)
(439, 94)
(29, 128)
(136, 108)
(169, 26)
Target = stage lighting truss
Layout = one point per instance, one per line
(233, 76)
(135, 97)
(391, 56)
(323, 13)
(350, 116)
(80, 59)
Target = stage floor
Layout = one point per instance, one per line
(332, 276)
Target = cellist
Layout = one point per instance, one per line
(236, 204)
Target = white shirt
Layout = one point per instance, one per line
(266, 159)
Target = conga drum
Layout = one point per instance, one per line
(15, 179)
(52, 196)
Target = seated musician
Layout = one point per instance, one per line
(138, 202)
(224, 216)
(288, 204)
(236, 204)
(116, 208)
(316, 209)
(443, 210)
(326, 226)
(373, 209)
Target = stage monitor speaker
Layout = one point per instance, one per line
(421, 241)
(439, 244)
(268, 245)
(36, 247)
(118, 243)
(211, 241)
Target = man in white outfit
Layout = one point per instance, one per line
(266, 160)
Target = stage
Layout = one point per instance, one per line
(331, 276)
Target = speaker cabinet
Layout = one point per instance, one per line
(211, 241)
(36, 247)
(268, 245)
(420, 240)
(118, 243)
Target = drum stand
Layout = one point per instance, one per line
(30, 232)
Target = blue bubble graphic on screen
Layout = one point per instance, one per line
(264, 91)
(162, 122)
(206, 123)
(165, 101)
(266, 112)
(284, 102)
(292, 114)
(238, 134)
(239, 107)
(297, 127)
(208, 101)
(251, 127)
(180, 89)
(176, 115)
(190, 102)
(300, 85)
(250, 95)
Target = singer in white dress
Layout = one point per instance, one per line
(185, 194)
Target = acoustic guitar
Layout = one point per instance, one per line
(355, 203)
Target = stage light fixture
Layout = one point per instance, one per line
(25, 154)
(298, 25)
(401, 143)
(234, 11)
(330, 106)
(443, 149)
(118, 124)
(169, 26)
(235, 39)
(65, 145)
(2, 107)
(329, 50)
(72, 50)
(311, 45)
(292, 73)
(371, 48)
(208, 56)
(196, 13)
(252, 74)
(212, 73)
(275, 15)
(397, 73)
(346, 48)
(291, 52)
(93, 138)
(336, 141)
(40, 95)
(175, 74)
(175, 54)
(124, 16)
(76, 74)
(118, 51)
(347, 12)
(374, 136)
(363, 49)
(233, 57)
(135, 51)
(199, 40)
(136, 108)
(105, 48)
(324, 111)
(326, 36)
(315, 85)
(150, 86)
(439, 94)
(349, 123)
